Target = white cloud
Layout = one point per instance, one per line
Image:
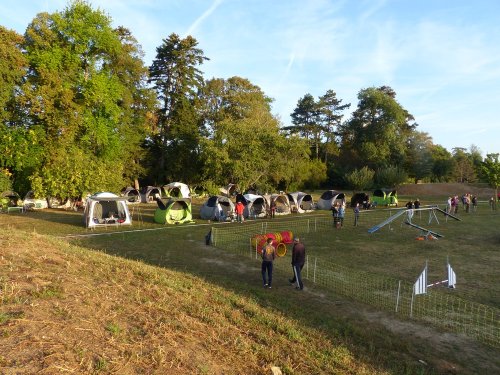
(206, 14)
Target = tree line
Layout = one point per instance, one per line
(81, 112)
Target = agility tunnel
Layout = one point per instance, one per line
(280, 240)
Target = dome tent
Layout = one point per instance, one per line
(301, 202)
(385, 197)
(361, 198)
(132, 194)
(104, 209)
(328, 198)
(218, 208)
(229, 191)
(148, 194)
(281, 202)
(176, 190)
(32, 202)
(10, 199)
(175, 211)
(255, 205)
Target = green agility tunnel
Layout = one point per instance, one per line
(175, 211)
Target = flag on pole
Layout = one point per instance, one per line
(420, 286)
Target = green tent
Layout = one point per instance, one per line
(385, 197)
(175, 211)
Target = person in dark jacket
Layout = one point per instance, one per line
(268, 256)
(298, 261)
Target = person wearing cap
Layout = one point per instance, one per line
(298, 261)
(268, 256)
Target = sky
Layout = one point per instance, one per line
(441, 57)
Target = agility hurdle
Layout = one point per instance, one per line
(421, 285)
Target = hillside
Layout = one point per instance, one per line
(66, 309)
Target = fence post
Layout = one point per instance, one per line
(411, 304)
(307, 267)
(214, 236)
(308, 225)
(397, 298)
(315, 225)
(315, 266)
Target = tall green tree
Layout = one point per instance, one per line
(137, 102)
(242, 139)
(360, 179)
(306, 122)
(77, 100)
(377, 133)
(419, 157)
(491, 170)
(330, 110)
(390, 176)
(443, 164)
(13, 65)
(18, 146)
(177, 79)
(464, 168)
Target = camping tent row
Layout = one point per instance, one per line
(32, 202)
(221, 208)
(105, 209)
(148, 194)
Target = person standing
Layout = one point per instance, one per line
(268, 256)
(341, 214)
(335, 214)
(298, 261)
(416, 204)
(356, 215)
(273, 208)
(239, 211)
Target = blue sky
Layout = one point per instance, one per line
(442, 57)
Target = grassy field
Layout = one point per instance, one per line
(190, 308)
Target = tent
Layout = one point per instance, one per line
(385, 197)
(175, 211)
(281, 202)
(218, 208)
(132, 194)
(328, 198)
(148, 194)
(229, 191)
(31, 202)
(55, 202)
(301, 202)
(255, 205)
(10, 199)
(104, 209)
(361, 198)
(176, 190)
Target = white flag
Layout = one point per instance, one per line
(420, 286)
(452, 277)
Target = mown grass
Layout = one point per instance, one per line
(333, 334)
(127, 317)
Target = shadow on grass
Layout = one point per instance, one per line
(340, 319)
